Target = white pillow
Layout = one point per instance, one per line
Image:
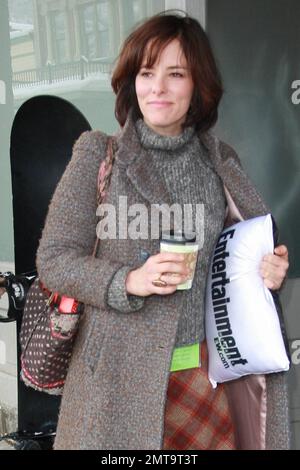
(242, 326)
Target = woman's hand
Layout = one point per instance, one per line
(273, 267)
(168, 267)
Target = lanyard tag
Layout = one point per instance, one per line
(186, 357)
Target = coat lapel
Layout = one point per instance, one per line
(147, 180)
(243, 200)
(140, 169)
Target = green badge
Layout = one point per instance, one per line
(186, 357)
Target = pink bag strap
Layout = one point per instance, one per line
(104, 177)
(105, 170)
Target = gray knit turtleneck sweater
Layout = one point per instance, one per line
(190, 179)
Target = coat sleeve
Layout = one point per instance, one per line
(117, 296)
(64, 257)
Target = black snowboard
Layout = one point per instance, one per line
(43, 133)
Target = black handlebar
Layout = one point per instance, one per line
(16, 287)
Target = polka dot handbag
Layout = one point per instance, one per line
(46, 337)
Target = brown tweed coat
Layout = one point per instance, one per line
(115, 392)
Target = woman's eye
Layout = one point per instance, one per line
(176, 74)
(145, 74)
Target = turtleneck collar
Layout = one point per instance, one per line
(151, 140)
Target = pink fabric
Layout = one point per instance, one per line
(232, 215)
(247, 399)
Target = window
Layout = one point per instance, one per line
(102, 23)
(138, 10)
(59, 37)
(94, 30)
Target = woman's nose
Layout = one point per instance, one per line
(158, 85)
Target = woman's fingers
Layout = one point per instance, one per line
(167, 256)
(172, 268)
(168, 289)
(169, 268)
(282, 251)
(174, 279)
(274, 267)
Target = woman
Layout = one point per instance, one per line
(119, 393)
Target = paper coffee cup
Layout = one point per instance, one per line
(185, 243)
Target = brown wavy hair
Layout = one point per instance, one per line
(154, 35)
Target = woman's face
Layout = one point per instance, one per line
(164, 92)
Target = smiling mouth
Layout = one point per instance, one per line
(160, 103)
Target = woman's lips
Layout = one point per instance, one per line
(160, 104)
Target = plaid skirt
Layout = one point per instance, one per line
(197, 416)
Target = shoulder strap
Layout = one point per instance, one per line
(105, 170)
(104, 176)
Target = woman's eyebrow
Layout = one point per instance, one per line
(177, 67)
(170, 67)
